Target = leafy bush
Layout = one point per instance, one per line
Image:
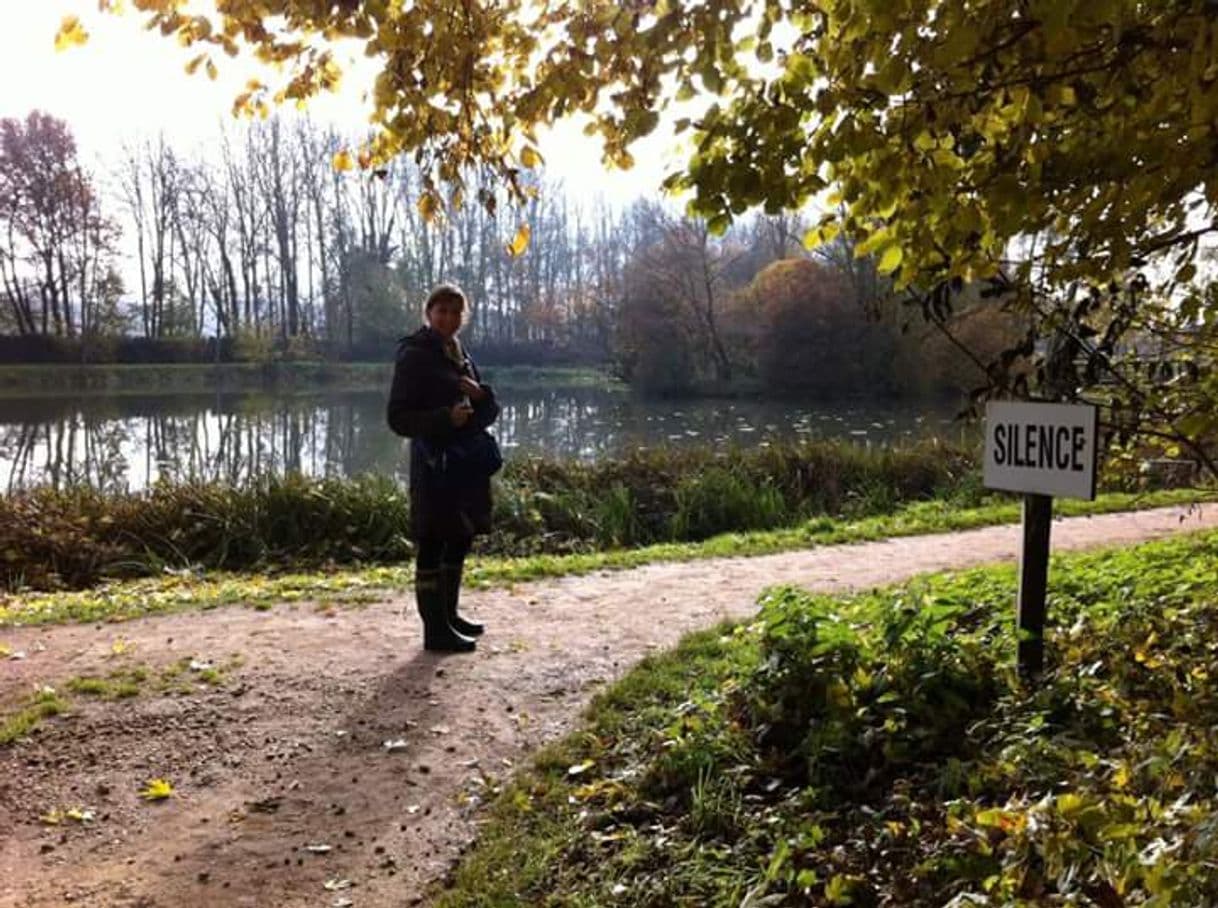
(72, 538)
(674, 495)
(879, 749)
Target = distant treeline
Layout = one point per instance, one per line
(263, 252)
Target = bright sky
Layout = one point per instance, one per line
(125, 84)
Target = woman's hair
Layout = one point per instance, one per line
(447, 292)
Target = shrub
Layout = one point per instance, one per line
(75, 537)
(715, 500)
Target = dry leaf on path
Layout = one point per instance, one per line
(157, 790)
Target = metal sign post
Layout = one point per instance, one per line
(1041, 450)
(1033, 583)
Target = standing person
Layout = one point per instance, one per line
(438, 401)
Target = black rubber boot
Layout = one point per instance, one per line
(438, 634)
(451, 583)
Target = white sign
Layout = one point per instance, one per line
(1048, 449)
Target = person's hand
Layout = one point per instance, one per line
(460, 414)
(472, 389)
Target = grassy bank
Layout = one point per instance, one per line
(878, 749)
(649, 506)
(179, 590)
(58, 379)
(77, 537)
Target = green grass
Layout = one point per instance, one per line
(117, 688)
(185, 590)
(39, 706)
(122, 683)
(880, 749)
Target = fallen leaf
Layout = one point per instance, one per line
(157, 790)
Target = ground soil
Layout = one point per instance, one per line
(283, 782)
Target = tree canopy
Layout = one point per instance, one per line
(947, 127)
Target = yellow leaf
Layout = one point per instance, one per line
(343, 161)
(818, 236)
(520, 242)
(71, 33)
(212, 72)
(890, 259)
(530, 157)
(427, 206)
(1069, 804)
(156, 790)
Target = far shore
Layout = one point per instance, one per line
(51, 379)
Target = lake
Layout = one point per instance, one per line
(128, 441)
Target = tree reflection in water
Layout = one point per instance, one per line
(127, 442)
(120, 443)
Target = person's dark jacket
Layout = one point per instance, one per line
(425, 388)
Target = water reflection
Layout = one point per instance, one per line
(128, 442)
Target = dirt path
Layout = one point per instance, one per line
(289, 751)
